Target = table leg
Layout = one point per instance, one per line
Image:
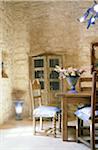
(64, 120)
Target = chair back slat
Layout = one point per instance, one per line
(93, 97)
(85, 83)
(36, 90)
(35, 93)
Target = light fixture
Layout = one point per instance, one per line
(90, 15)
(18, 109)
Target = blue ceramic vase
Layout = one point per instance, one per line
(72, 81)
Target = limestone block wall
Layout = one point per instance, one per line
(48, 27)
(21, 58)
(56, 29)
(6, 47)
(5, 101)
(30, 28)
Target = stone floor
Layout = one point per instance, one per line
(17, 135)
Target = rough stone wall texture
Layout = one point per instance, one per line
(31, 28)
(21, 64)
(55, 28)
(6, 47)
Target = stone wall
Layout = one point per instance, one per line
(31, 28)
(6, 47)
(21, 63)
(55, 28)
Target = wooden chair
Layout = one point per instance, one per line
(88, 114)
(85, 84)
(42, 111)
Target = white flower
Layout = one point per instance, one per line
(63, 73)
(73, 73)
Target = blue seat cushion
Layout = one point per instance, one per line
(46, 111)
(85, 113)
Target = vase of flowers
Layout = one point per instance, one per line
(72, 81)
(71, 75)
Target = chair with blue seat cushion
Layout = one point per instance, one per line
(85, 113)
(88, 114)
(85, 83)
(42, 111)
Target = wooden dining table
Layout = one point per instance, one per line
(71, 98)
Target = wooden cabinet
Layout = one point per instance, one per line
(38, 66)
(43, 69)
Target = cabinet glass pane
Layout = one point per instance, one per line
(53, 62)
(54, 85)
(39, 63)
(54, 75)
(42, 84)
(39, 74)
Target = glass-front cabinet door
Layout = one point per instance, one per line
(54, 84)
(39, 69)
(43, 69)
